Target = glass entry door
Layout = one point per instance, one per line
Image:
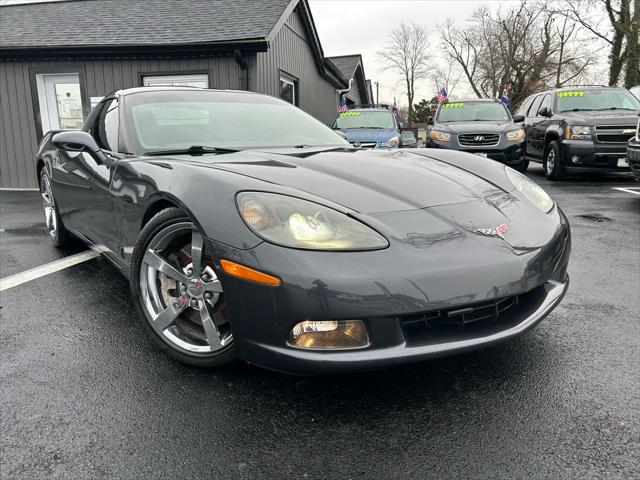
(60, 101)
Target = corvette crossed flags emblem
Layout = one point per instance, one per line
(498, 231)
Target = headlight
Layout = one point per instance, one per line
(293, 222)
(439, 136)
(392, 142)
(514, 135)
(531, 190)
(578, 132)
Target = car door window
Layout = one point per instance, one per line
(535, 106)
(106, 126)
(546, 103)
(525, 106)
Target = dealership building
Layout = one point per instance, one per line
(59, 58)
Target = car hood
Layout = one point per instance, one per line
(369, 134)
(476, 127)
(419, 195)
(365, 181)
(609, 117)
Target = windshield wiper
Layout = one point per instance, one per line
(613, 108)
(192, 150)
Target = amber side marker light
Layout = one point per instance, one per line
(246, 273)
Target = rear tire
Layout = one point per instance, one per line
(177, 294)
(58, 235)
(552, 164)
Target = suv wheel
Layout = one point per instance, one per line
(552, 162)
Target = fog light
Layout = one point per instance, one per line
(575, 159)
(329, 334)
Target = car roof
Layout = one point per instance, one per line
(577, 87)
(134, 90)
(369, 109)
(468, 100)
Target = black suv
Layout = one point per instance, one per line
(579, 128)
(481, 126)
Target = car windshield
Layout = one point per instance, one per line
(363, 119)
(180, 119)
(472, 112)
(604, 99)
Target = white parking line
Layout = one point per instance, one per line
(634, 190)
(46, 269)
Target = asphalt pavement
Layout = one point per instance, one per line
(85, 394)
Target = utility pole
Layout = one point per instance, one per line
(377, 94)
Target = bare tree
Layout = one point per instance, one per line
(406, 54)
(527, 47)
(621, 33)
(460, 47)
(446, 75)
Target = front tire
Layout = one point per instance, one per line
(552, 164)
(58, 235)
(177, 294)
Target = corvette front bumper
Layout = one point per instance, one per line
(301, 361)
(396, 294)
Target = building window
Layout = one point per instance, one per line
(200, 80)
(289, 89)
(60, 101)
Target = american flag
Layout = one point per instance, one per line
(442, 95)
(343, 105)
(505, 96)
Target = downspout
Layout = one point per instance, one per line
(244, 69)
(346, 90)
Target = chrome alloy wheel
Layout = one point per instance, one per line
(182, 296)
(48, 204)
(551, 161)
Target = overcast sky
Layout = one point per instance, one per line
(363, 26)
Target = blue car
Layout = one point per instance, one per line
(369, 127)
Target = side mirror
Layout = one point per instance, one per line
(400, 125)
(79, 141)
(544, 112)
(518, 118)
(430, 121)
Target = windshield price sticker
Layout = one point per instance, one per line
(571, 93)
(349, 114)
(453, 105)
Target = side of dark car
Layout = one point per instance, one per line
(577, 136)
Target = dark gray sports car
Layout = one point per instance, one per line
(250, 230)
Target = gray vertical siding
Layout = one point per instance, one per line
(290, 52)
(18, 137)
